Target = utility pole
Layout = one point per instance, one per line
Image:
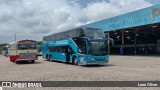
(15, 38)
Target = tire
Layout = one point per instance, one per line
(50, 58)
(75, 61)
(16, 62)
(47, 58)
(32, 61)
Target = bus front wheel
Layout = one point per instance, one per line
(75, 61)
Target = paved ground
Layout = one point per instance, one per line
(120, 68)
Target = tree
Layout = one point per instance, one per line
(39, 42)
(3, 44)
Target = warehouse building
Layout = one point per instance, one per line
(136, 32)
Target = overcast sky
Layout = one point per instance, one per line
(33, 19)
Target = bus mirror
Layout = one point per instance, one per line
(89, 42)
(84, 40)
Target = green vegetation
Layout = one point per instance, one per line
(3, 44)
(39, 42)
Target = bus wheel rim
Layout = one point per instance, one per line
(75, 61)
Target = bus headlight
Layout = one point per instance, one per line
(82, 59)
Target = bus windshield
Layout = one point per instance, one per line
(81, 43)
(94, 33)
(98, 48)
(26, 46)
(82, 48)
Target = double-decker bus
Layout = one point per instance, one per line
(24, 50)
(80, 46)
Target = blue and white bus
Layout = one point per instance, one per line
(80, 46)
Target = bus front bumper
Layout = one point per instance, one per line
(28, 59)
(95, 62)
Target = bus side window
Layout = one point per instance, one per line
(52, 49)
(63, 49)
(57, 49)
(70, 50)
(60, 49)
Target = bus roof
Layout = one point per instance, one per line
(72, 30)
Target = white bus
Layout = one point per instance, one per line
(24, 50)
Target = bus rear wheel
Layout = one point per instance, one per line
(49, 58)
(16, 62)
(75, 61)
(32, 61)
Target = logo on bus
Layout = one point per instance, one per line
(155, 13)
(62, 42)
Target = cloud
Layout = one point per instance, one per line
(104, 9)
(36, 18)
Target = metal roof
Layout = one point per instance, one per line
(22, 41)
(140, 17)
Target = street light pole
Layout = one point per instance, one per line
(15, 38)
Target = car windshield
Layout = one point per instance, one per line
(98, 48)
(26, 46)
(94, 33)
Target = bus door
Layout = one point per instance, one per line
(67, 53)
